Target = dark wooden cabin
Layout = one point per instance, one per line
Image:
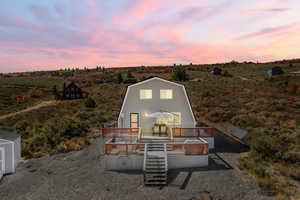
(71, 91)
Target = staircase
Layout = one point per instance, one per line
(155, 164)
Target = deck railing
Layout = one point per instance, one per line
(196, 147)
(120, 132)
(192, 132)
(124, 149)
(187, 149)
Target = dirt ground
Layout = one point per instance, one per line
(81, 176)
(40, 105)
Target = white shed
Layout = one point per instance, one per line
(10, 152)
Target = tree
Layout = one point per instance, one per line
(129, 75)
(120, 78)
(90, 103)
(179, 74)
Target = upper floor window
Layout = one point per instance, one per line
(166, 94)
(145, 94)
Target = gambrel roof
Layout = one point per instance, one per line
(157, 78)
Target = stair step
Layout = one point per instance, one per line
(155, 164)
(156, 183)
(155, 168)
(155, 171)
(157, 177)
(155, 161)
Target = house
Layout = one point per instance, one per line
(156, 95)
(217, 71)
(275, 71)
(156, 132)
(10, 152)
(71, 91)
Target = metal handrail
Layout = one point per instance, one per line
(145, 156)
(140, 133)
(166, 157)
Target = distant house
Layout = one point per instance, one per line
(216, 71)
(275, 71)
(71, 91)
(10, 152)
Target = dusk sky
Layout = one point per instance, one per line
(54, 34)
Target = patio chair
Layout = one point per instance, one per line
(163, 130)
(156, 129)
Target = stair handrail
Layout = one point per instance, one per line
(139, 133)
(145, 156)
(166, 157)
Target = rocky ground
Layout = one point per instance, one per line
(81, 175)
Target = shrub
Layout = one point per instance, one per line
(227, 74)
(267, 185)
(21, 126)
(69, 128)
(90, 103)
(84, 115)
(129, 78)
(293, 89)
(45, 138)
(120, 78)
(291, 156)
(219, 116)
(179, 74)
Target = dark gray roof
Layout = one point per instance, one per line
(8, 135)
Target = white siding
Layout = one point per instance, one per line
(133, 104)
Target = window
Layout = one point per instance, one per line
(166, 94)
(174, 119)
(145, 94)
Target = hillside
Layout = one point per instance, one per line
(267, 107)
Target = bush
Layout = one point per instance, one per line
(45, 138)
(267, 185)
(291, 157)
(219, 116)
(120, 78)
(179, 74)
(227, 74)
(90, 103)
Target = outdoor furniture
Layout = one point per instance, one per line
(163, 130)
(156, 129)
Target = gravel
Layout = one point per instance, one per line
(81, 175)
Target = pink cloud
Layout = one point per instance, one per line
(268, 31)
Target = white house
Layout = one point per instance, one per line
(152, 96)
(156, 132)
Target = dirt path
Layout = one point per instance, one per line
(40, 105)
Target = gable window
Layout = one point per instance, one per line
(166, 94)
(145, 94)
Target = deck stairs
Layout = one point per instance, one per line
(155, 164)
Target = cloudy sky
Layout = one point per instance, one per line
(52, 34)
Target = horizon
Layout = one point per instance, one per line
(52, 35)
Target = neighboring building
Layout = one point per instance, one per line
(71, 91)
(156, 132)
(216, 71)
(275, 71)
(10, 152)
